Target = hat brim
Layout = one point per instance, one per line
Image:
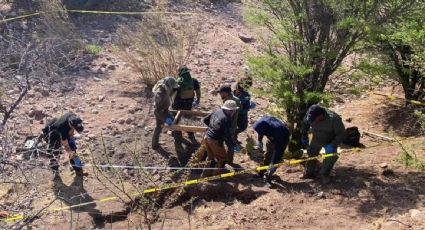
(230, 109)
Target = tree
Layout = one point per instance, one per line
(307, 42)
(402, 40)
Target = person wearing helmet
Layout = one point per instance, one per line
(218, 133)
(189, 89)
(60, 132)
(163, 92)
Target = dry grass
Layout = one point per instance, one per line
(157, 45)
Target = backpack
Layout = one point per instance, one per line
(352, 136)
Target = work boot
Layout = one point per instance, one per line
(268, 180)
(324, 179)
(306, 176)
(260, 174)
(54, 165)
(155, 146)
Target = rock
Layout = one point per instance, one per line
(112, 67)
(383, 165)
(321, 195)
(121, 121)
(94, 111)
(97, 79)
(101, 70)
(339, 100)
(107, 38)
(37, 113)
(388, 173)
(129, 120)
(414, 213)
(79, 110)
(44, 93)
(246, 38)
(101, 98)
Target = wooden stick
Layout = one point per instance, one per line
(377, 135)
(192, 112)
(178, 117)
(186, 128)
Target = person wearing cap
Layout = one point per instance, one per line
(277, 135)
(218, 133)
(227, 95)
(163, 93)
(60, 132)
(239, 90)
(189, 89)
(329, 132)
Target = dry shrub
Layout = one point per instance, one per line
(157, 45)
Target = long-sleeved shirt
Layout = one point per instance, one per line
(162, 103)
(330, 130)
(234, 119)
(274, 129)
(219, 127)
(245, 101)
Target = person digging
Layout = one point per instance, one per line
(227, 95)
(58, 133)
(163, 93)
(277, 135)
(329, 132)
(218, 133)
(188, 90)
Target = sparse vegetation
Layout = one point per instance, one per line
(158, 45)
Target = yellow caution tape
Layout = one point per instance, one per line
(393, 97)
(173, 185)
(97, 12)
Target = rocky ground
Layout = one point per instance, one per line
(370, 190)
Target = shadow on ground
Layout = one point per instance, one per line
(401, 120)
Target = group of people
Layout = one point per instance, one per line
(224, 126)
(226, 123)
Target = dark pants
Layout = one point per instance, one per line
(54, 144)
(274, 154)
(182, 105)
(242, 123)
(328, 163)
(160, 120)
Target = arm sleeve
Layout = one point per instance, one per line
(228, 136)
(339, 130)
(207, 120)
(197, 88)
(258, 127)
(305, 126)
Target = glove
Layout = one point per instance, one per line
(76, 162)
(237, 149)
(260, 145)
(304, 142)
(195, 104)
(329, 148)
(169, 120)
(252, 105)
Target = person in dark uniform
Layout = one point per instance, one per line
(278, 135)
(60, 132)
